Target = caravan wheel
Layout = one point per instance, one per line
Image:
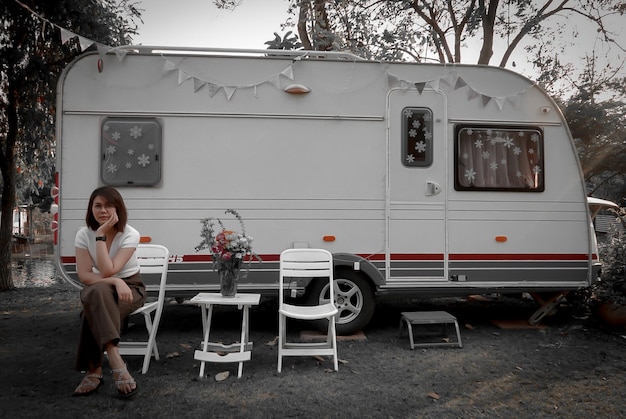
(353, 298)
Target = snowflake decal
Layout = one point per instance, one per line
(536, 170)
(135, 132)
(143, 160)
(150, 147)
(534, 138)
(106, 127)
(508, 142)
(486, 155)
(494, 166)
(428, 135)
(478, 144)
(465, 156)
(412, 133)
(111, 150)
(130, 151)
(420, 146)
(129, 165)
(408, 113)
(518, 174)
(112, 168)
(517, 151)
(531, 151)
(470, 131)
(503, 162)
(410, 158)
(470, 174)
(116, 136)
(416, 124)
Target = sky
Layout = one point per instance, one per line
(198, 23)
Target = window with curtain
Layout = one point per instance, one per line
(417, 137)
(499, 158)
(131, 151)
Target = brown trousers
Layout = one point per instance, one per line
(102, 317)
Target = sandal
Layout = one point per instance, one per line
(88, 385)
(119, 382)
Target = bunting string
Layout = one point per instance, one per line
(449, 81)
(229, 90)
(455, 82)
(83, 42)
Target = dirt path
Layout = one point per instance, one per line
(571, 368)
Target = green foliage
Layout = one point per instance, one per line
(612, 252)
(32, 57)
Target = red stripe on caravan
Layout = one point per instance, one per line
(410, 256)
(520, 256)
(415, 256)
(208, 258)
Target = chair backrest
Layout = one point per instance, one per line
(154, 259)
(306, 263)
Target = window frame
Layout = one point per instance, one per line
(116, 156)
(428, 152)
(500, 127)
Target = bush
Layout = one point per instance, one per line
(612, 252)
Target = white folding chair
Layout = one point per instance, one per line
(306, 263)
(153, 259)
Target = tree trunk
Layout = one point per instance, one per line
(7, 168)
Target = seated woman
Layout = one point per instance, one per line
(107, 265)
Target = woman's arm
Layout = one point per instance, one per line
(84, 267)
(87, 276)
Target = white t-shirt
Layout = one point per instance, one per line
(86, 239)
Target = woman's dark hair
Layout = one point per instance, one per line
(113, 197)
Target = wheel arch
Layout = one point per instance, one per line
(350, 260)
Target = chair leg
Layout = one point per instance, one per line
(331, 327)
(281, 338)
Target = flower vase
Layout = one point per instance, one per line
(228, 282)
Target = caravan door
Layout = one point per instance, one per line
(417, 168)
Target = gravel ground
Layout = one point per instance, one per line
(567, 368)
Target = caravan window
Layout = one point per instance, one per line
(497, 158)
(130, 151)
(417, 137)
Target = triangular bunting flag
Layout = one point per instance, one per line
(120, 54)
(434, 84)
(392, 80)
(182, 77)
(472, 94)
(459, 83)
(288, 72)
(450, 78)
(102, 50)
(485, 99)
(169, 66)
(66, 35)
(197, 84)
(230, 91)
(213, 88)
(500, 101)
(84, 43)
(514, 100)
(274, 81)
(420, 86)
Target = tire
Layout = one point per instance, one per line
(354, 299)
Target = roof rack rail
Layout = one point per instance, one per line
(295, 54)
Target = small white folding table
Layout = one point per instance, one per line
(217, 352)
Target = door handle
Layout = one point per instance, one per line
(432, 188)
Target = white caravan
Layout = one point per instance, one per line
(421, 179)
